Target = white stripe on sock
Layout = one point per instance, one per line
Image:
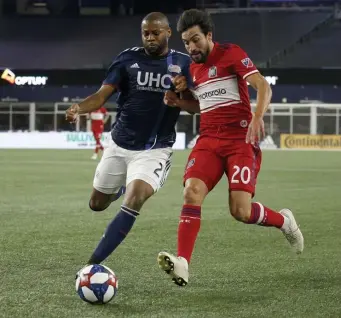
(129, 211)
(261, 213)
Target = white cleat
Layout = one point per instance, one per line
(292, 232)
(176, 267)
(94, 156)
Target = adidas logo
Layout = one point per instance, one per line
(268, 143)
(134, 66)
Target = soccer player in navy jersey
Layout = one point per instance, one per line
(138, 158)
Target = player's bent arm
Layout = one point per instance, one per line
(264, 93)
(188, 103)
(97, 100)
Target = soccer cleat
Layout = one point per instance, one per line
(293, 233)
(94, 156)
(120, 192)
(175, 267)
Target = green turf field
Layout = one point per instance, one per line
(47, 232)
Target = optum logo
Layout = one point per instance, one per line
(10, 77)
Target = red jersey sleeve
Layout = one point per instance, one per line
(242, 64)
(104, 110)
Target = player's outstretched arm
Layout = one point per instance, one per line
(264, 93)
(186, 102)
(90, 104)
(97, 100)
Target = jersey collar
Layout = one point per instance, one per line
(158, 57)
(211, 57)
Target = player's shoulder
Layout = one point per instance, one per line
(130, 53)
(230, 48)
(180, 55)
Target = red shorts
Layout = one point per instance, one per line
(211, 157)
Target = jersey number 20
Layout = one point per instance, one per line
(244, 172)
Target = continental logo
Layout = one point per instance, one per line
(216, 92)
(310, 141)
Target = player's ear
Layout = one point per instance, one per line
(209, 36)
(169, 33)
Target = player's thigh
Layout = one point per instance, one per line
(150, 166)
(242, 168)
(205, 165)
(111, 171)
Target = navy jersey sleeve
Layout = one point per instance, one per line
(187, 74)
(115, 72)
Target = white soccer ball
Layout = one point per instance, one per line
(96, 284)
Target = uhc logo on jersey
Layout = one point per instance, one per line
(216, 92)
(154, 82)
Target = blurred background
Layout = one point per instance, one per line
(56, 52)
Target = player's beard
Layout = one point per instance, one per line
(199, 56)
(155, 49)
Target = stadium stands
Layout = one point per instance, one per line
(92, 42)
(324, 49)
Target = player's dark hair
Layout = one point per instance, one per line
(193, 17)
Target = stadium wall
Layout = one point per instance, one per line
(61, 140)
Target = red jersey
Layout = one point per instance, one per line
(221, 88)
(97, 119)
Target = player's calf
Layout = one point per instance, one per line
(242, 209)
(240, 205)
(137, 193)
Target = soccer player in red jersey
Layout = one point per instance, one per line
(98, 120)
(228, 142)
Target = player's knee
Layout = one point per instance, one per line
(240, 212)
(97, 205)
(193, 194)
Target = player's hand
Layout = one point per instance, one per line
(171, 99)
(71, 114)
(256, 130)
(179, 83)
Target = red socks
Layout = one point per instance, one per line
(264, 216)
(188, 230)
(190, 218)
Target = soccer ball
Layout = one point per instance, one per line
(96, 284)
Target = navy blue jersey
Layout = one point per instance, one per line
(143, 121)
